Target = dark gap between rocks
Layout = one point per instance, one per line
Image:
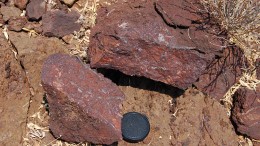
(140, 82)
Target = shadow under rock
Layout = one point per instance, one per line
(140, 82)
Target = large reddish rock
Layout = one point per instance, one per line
(60, 23)
(222, 73)
(17, 23)
(21, 4)
(84, 106)
(246, 112)
(143, 44)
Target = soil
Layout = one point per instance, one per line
(177, 117)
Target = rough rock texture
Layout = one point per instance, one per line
(201, 120)
(32, 52)
(16, 23)
(143, 44)
(179, 13)
(222, 73)
(21, 4)
(84, 106)
(14, 97)
(35, 9)
(246, 112)
(9, 12)
(60, 23)
(1, 20)
(34, 26)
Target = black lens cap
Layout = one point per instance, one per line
(135, 127)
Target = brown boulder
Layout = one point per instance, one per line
(35, 9)
(16, 23)
(9, 12)
(222, 73)
(246, 112)
(84, 106)
(143, 44)
(60, 23)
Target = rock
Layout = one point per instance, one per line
(37, 27)
(143, 44)
(84, 106)
(69, 2)
(35, 9)
(201, 120)
(21, 4)
(59, 23)
(179, 13)
(2, 22)
(32, 52)
(14, 97)
(246, 112)
(222, 73)
(9, 12)
(258, 68)
(16, 23)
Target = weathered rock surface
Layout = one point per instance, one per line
(201, 120)
(246, 112)
(32, 52)
(35, 9)
(16, 23)
(9, 12)
(14, 97)
(222, 73)
(179, 13)
(143, 44)
(60, 23)
(84, 106)
(21, 4)
(258, 69)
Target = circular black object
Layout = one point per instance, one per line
(135, 127)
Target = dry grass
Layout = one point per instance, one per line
(241, 20)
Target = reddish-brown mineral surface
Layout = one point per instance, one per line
(246, 112)
(84, 106)
(143, 44)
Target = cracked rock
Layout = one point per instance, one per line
(84, 106)
(246, 112)
(222, 73)
(143, 44)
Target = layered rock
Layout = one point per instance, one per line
(143, 44)
(84, 106)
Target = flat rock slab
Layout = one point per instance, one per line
(59, 23)
(143, 44)
(14, 97)
(84, 106)
(246, 112)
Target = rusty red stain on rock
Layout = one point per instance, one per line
(246, 111)
(143, 44)
(17, 23)
(60, 23)
(35, 9)
(84, 106)
(222, 73)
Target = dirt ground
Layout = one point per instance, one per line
(177, 117)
